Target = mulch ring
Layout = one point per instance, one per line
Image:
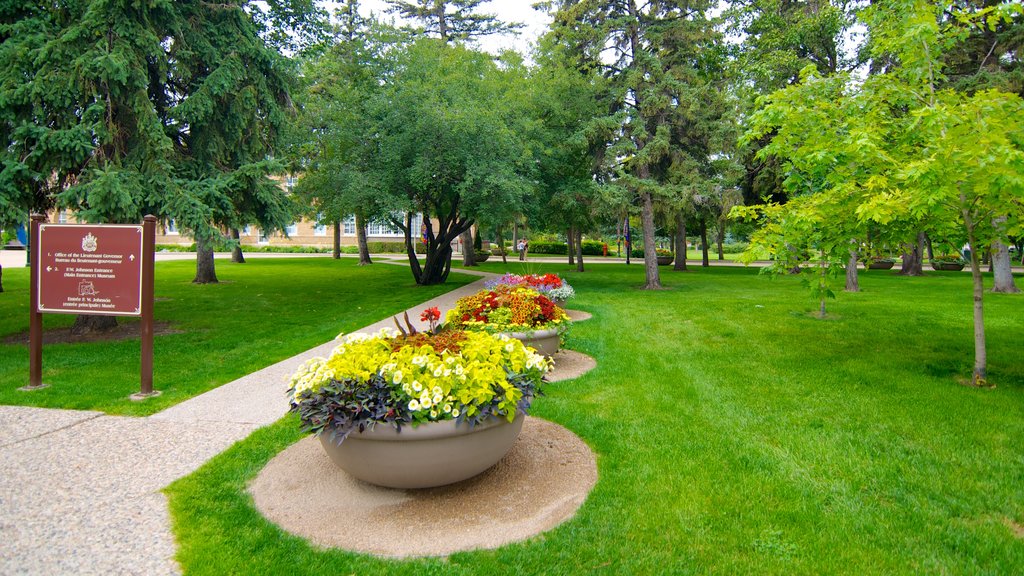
(125, 330)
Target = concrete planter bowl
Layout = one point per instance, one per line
(430, 455)
(948, 266)
(546, 342)
(481, 258)
(881, 265)
(665, 260)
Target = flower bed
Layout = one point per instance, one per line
(413, 378)
(507, 308)
(550, 285)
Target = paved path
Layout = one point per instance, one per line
(80, 491)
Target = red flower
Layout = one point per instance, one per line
(430, 315)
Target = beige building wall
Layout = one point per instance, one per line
(301, 233)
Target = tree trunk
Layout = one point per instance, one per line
(852, 284)
(913, 264)
(680, 264)
(1, 278)
(721, 241)
(579, 250)
(501, 244)
(650, 255)
(236, 251)
(931, 249)
(980, 354)
(364, 248)
(91, 324)
(515, 235)
(1003, 281)
(822, 279)
(570, 240)
(206, 273)
(437, 263)
(336, 253)
(468, 253)
(704, 242)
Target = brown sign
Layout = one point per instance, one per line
(89, 269)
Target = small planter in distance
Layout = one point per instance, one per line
(948, 262)
(481, 256)
(881, 264)
(515, 311)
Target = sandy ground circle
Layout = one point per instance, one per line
(570, 364)
(538, 485)
(579, 315)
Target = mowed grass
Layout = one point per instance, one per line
(262, 312)
(734, 433)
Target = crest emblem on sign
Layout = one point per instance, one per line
(89, 243)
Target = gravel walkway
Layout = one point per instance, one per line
(80, 491)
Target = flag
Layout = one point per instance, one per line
(423, 233)
(629, 239)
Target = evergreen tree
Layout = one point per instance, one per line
(115, 109)
(640, 47)
(452, 19)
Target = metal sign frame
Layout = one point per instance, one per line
(147, 251)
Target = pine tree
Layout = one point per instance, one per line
(115, 109)
(452, 19)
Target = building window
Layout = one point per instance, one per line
(247, 231)
(320, 229)
(382, 228)
(172, 227)
(292, 229)
(263, 238)
(289, 182)
(62, 217)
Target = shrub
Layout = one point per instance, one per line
(593, 248)
(542, 247)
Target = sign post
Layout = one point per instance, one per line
(146, 306)
(95, 269)
(35, 323)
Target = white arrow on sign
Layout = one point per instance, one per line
(48, 268)
(132, 257)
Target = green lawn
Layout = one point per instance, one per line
(263, 311)
(735, 433)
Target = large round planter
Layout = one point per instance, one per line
(546, 342)
(665, 260)
(948, 266)
(481, 258)
(881, 265)
(429, 455)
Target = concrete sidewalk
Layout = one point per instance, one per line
(80, 491)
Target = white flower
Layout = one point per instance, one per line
(509, 347)
(459, 370)
(447, 408)
(433, 413)
(436, 390)
(417, 386)
(398, 377)
(414, 405)
(419, 360)
(447, 373)
(425, 402)
(455, 413)
(436, 399)
(438, 371)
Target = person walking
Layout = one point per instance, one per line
(521, 248)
